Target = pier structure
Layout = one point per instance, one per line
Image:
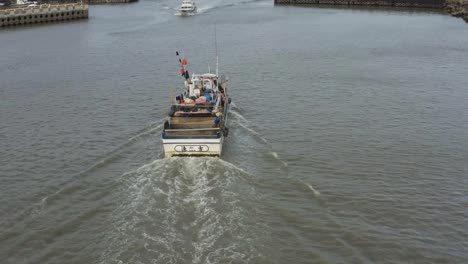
(98, 2)
(395, 3)
(42, 14)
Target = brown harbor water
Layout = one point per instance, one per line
(348, 137)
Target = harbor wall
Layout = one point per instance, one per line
(99, 2)
(42, 14)
(458, 8)
(394, 3)
(90, 2)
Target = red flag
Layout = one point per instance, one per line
(182, 72)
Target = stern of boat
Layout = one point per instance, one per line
(192, 147)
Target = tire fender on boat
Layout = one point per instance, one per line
(225, 132)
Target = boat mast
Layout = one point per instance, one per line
(216, 49)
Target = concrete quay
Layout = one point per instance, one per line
(395, 3)
(99, 2)
(42, 14)
(457, 8)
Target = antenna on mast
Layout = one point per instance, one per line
(216, 49)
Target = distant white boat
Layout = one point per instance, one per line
(187, 7)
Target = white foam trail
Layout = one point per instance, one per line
(145, 168)
(239, 116)
(255, 133)
(203, 10)
(182, 196)
(234, 105)
(275, 155)
(114, 154)
(316, 193)
(39, 207)
(179, 14)
(144, 133)
(232, 166)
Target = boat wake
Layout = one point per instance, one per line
(240, 121)
(185, 210)
(117, 152)
(251, 131)
(223, 4)
(235, 106)
(314, 191)
(212, 5)
(239, 116)
(186, 15)
(275, 155)
(71, 185)
(154, 127)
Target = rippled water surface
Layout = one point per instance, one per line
(348, 143)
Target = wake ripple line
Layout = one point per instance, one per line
(150, 131)
(255, 133)
(206, 9)
(275, 155)
(251, 131)
(239, 116)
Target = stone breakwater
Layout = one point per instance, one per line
(42, 14)
(99, 2)
(457, 8)
(90, 2)
(394, 3)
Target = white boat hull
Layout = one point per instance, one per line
(193, 147)
(187, 13)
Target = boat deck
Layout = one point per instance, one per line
(192, 127)
(191, 122)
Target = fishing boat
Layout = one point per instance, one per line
(187, 7)
(197, 119)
